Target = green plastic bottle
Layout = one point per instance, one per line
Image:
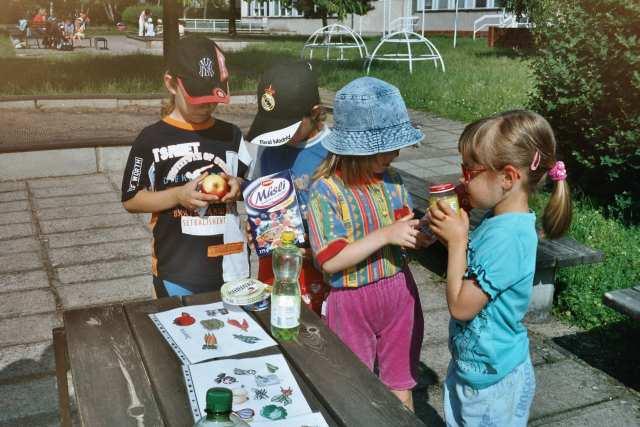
(219, 401)
(285, 295)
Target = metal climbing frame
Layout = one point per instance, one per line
(337, 37)
(409, 39)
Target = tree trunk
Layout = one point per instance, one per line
(232, 18)
(324, 18)
(170, 15)
(204, 11)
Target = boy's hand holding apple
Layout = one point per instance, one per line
(222, 187)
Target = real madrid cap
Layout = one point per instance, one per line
(199, 66)
(286, 93)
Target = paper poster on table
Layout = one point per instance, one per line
(204, 332)
(264, 390)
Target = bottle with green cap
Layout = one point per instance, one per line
(219, 401)
(285, 295)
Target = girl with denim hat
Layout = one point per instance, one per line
(360, 221)
(490, 272)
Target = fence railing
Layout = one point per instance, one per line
(503, 19)
(222, 25)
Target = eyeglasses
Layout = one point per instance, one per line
(470, 173)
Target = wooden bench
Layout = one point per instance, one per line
(625, 301)
(551, 256)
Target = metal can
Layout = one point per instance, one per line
(446, 192)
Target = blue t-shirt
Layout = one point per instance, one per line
(301, 160)
(502, 259)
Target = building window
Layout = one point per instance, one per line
(462, 4)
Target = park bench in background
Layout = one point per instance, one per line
(552, 254)
(625, 301)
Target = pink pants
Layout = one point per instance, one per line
(382, 320)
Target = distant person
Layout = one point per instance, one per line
(360, 224)
(142, 21)
(167, 163)
(181, 27)
(39, 22)
(149, 30)
(287, 130)
(69, 28)
(490, 272)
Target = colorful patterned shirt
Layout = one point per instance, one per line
(339, 215)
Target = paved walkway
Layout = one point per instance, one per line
(66, 242)
(121, 45)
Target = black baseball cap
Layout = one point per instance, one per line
(198, 64)
(286, 94)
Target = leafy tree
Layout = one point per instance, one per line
(587, 72)
(324, 8)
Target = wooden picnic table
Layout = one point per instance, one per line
(625, 301)
(124, 372)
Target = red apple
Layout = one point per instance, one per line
(215, 185)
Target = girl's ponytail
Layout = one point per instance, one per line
(556, 218)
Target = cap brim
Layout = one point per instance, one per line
(269, 131)
(198, 95)
(370, 142)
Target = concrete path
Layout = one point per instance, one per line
(66, 242)
(121, 45)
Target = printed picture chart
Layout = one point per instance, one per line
(264, 390)
(202, 332)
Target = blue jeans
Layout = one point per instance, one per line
(505, 403)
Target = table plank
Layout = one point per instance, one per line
(162, 364)
(312, 399)
(626, 301)
(110, 381)
(345, 385)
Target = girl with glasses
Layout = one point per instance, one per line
(490, 272)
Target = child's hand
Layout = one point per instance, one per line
(449, 226)
(189, 196)
(425, 237)
(403, 232)
(235, 191)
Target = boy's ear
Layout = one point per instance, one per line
(318, 113)
(170, 84)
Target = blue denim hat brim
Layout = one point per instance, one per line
(370, 142)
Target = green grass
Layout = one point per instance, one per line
(479, 81)
(580, 289)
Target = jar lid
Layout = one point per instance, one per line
(441, 188)
(244, 292)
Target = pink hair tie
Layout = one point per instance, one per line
(558, 172)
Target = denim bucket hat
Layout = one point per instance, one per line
(369, 118)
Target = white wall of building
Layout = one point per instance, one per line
(439, 15)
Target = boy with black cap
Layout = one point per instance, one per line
(197, 241)
(287, 129)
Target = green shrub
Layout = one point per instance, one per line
(588, 86)
(131, 14)
(579, 290)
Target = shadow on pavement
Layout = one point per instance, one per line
(427, 381)
(609, 349)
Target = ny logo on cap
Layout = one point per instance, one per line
(206, 67)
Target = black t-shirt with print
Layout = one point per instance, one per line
(169, 154)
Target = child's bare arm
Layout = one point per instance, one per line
(157, 201)
(402, 233)
(464, 298)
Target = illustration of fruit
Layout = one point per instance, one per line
(185, 319)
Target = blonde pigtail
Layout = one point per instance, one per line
(556, 218)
